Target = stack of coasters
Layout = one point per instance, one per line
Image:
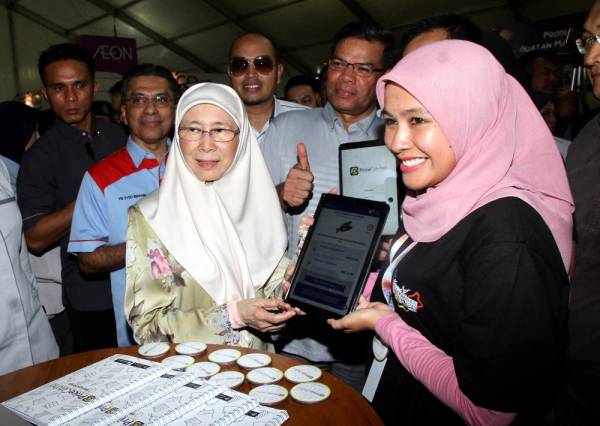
(229, 379)
(307, 391)
(224, 356)
(153, 349)
(269, 394)
(204, 370)
(264, 376)
(252, 361)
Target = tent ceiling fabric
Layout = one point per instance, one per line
(195, 35)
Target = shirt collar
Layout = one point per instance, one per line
(69, 131)
(275, 111)
(137, 153)
(364, 125)
(73, 131)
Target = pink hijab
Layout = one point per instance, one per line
(502, 146)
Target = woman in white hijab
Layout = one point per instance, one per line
(205, 253)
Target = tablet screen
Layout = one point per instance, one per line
(333, 263)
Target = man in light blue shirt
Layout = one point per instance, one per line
(111, 186)
(301, 152)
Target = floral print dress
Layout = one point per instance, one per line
(163, 302)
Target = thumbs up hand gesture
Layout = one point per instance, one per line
(299, 182)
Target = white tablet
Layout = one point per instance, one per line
(369, 170)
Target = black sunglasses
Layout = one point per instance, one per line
(240, 66)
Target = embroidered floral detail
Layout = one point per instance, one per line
(219, 320)
(305, 224)
(159, 266)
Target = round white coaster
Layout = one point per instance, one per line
(252, 361)
(153, 349)
(178, 362)
(204, 370)
(224, 356)
(269, 394)
(264, 375)
(303, 373)
(190, 348)
(310, 393)
(229, 379)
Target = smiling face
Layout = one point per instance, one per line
(207, 159)
(149, 121)
(411, 133)
(254, 87)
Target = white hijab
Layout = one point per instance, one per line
(228, 234)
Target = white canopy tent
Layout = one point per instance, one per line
(193, 36)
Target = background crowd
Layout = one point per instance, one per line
(135, 217)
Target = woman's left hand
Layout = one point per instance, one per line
(364, 317)
(266, 315)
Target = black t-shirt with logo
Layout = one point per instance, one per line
(491, 293)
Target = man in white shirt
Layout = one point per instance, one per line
(255, 72)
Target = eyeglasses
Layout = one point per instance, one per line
(240, 66)
(141, 101)
(194, 134)
(585, 43)
(362, 69)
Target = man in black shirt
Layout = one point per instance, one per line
(580, 401)
(49, 180)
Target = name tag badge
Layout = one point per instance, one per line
(380, 351)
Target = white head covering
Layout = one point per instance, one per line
(228, 234)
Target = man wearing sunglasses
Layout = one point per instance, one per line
(580, 400)
(255, 73)
(301, 152)
(111, 186)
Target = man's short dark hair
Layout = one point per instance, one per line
(369, 32)
(301, 80)
(527, 60)
(458, 27)
(148, 70)
(64, 52)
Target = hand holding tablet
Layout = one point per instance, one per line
(337, 255)
(365, 317)
(266, 315)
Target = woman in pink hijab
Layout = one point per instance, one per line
(473, 304)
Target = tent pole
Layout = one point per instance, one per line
(13, 49)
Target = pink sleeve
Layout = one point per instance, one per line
(369, 285)
(234, 316)
(434, 369)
